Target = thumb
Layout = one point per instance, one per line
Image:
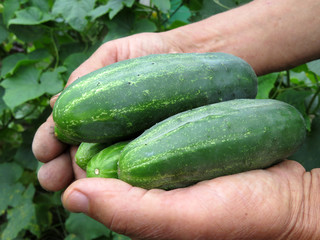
(128, 210)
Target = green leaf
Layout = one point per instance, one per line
(309, 152)
(74, 12)
(116, 6)
(113, 7)
(3, 105)
(3, 31)
(314, 66)
(43, 5)
(21, 216)
(265, 84)
(9, 9)
(300, 68)
(117, 236)
(9, 138)
(52, 82)
(179, 13)
(28, 33)
(99, 11)
(48, 199)
(44, 216)
(25, 157)
(194, 5)
(25, 110)
(72, 237)
(120, 26)
(70, 48)
(73, 61)
(85, 227)
(22, 86)
(10, 195)
(30, 16)
(11, 63)
(296, 99)
(300, 78)
(144, 25)
(211, 7)
(163, 5)
(10, 172)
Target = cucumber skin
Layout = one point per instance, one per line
(212, 141)
(105, 163)
(63, 138)
(120, 101)
(86, 151)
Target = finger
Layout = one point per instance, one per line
(78, 171)
(45, 145)
(56, 174)
(252, 204)
(129, 210)
(289, 168)
(106, 54)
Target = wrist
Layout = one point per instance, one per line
(230, 32)
(266, 33)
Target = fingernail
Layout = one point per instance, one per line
(77, 202)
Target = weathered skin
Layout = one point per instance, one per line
(211, 141)
(125, 98)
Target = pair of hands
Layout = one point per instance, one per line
(260, 204)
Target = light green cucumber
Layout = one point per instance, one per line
(105, 163)
(86, 151)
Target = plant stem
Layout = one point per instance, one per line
(221, 5)
(312, 100)
(278, 87)
(60, 221)
(174, 12)
(288, 77)
(314, 96)
(56, 51)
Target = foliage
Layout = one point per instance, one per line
(41, 43)
(299, 87)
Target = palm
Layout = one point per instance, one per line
(253, 205)
(259, 204)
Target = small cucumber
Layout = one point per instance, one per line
(105, 163)
(86, 151)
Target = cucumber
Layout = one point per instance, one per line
(211, 141)
(105, 163)
(86, 151)
(63, 138)
(121, 100)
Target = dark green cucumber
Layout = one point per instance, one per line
(123, 99)
(86, 151)
(211, 141)
(63, 138)
(105, 163)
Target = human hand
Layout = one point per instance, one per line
(59, 168)
(281, 202)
